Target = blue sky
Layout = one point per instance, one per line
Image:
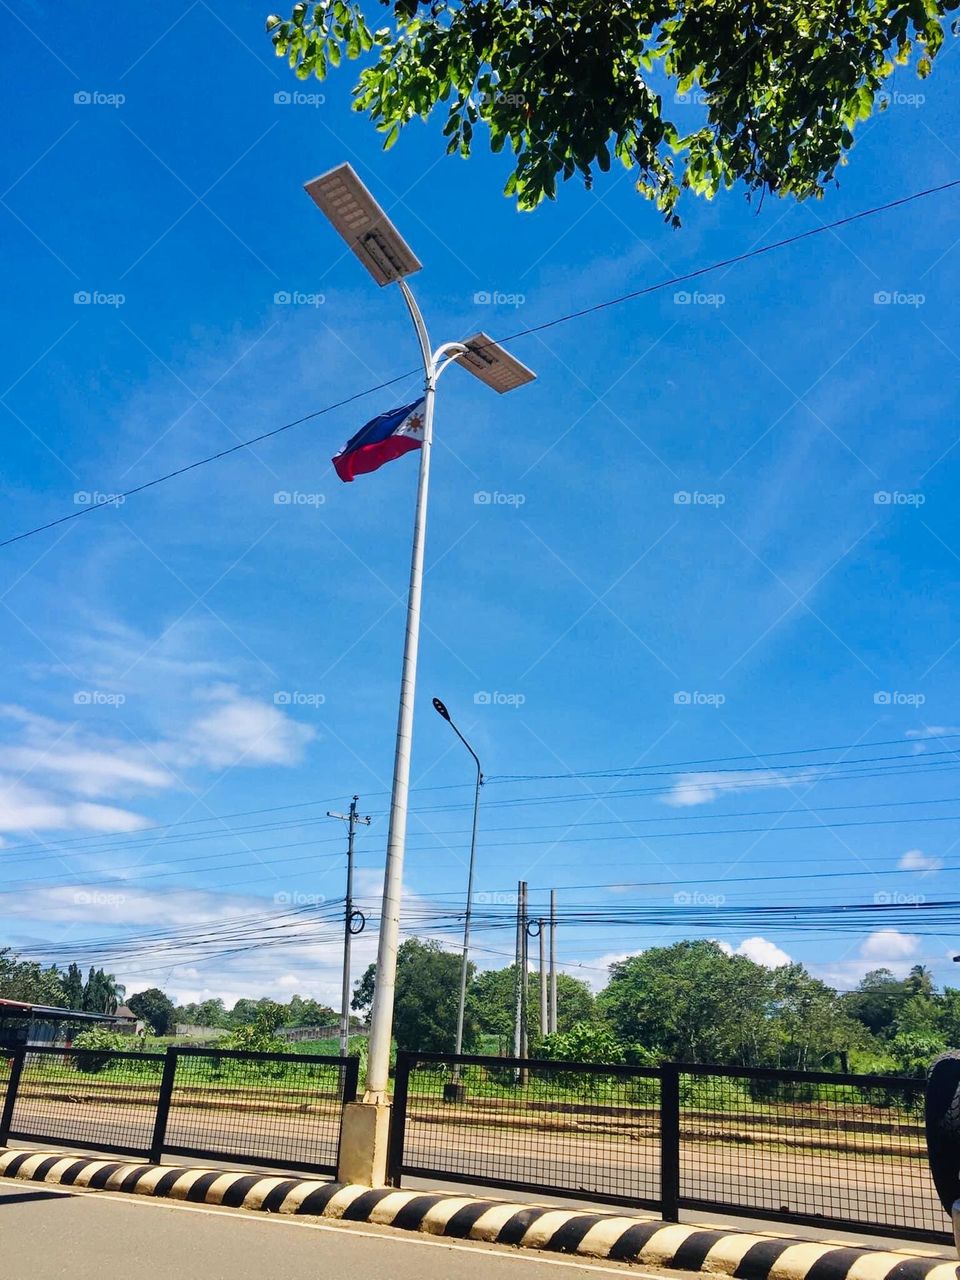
(207, 649)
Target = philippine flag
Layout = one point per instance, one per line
(381, 440)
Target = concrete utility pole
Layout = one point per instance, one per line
(553, 962)
(352, 820)
(544, 1016)
(518, 974)
(525, 982)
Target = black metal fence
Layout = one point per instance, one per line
(813, 1147)
(271, 1110)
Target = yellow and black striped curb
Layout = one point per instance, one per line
(589, 1235)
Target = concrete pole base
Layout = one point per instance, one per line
(364, 1140)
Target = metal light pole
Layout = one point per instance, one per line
(373, 238)
(441, 710)
(352, 819)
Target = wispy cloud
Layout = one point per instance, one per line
(702, 788)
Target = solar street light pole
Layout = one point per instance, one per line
(381, 1022)
(378, 245)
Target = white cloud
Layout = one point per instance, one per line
(596, 972)
(886, 947)
(759, 950)
(763, 951)
(241, 731)
(25, 809)
(917, 860)
(702, 788)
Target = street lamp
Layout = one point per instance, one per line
(441, 710)
(373, 238)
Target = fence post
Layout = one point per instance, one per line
(163, 1105)
(13, 1084)
(398, 1117)
(670, 1142)
(351, 1079)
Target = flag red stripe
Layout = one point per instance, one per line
(370, 457)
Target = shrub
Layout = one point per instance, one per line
(101, 1040)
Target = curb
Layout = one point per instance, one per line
(604, 1236)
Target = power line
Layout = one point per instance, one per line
(522, 333)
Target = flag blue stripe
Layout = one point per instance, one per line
(381, 427)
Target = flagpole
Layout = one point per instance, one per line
(381, 1019)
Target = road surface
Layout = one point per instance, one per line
(46, 1234)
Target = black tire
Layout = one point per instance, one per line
(943, 1126)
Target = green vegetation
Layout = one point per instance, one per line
(569, 87)
(690, 1002)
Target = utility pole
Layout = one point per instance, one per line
(525, 982)
(350, 918)
(518, 974)
(553, 962)
(544, 1015)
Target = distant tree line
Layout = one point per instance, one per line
(689, 1002)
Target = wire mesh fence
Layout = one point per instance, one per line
(277, 1110)
(808, 1146)
(83, 1098)
(812, 1147)
(572, 1129)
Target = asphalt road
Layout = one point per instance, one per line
(47, 1234)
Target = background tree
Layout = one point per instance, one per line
(73, 987)
(877, 1000)
(27, 981)
(155, 1008)
(427, 996)
(493, 996)
(692, 1002)
(102, 993)
(572, 85)
(308, 1013)
(206, 1013)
